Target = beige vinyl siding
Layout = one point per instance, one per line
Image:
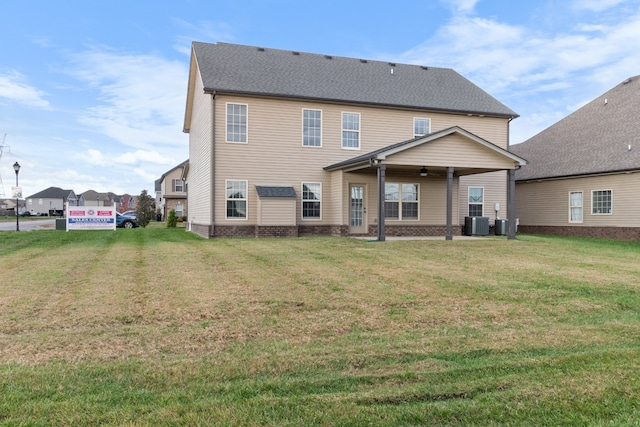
(547, 202)
(452, 150)
(200, 162)
(275, 155)
(276, 211)
(495, 191)
(432, 197)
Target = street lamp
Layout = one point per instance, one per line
(16, 167)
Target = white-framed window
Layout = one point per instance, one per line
(601, 202)
(237, 122)
(236, 197)
(311, 200)
(401, 201)
(476, 201)
(575, 206)
(351, 131)
(312, 128)
(179, 211)
(177, 185)
(421, 126)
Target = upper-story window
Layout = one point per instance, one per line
(237, 123)
(312, 128)
(177, 185)
(421, 126)
(601, 202)
(351, 130)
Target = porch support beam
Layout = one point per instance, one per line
(511, 204)
(382, 168)
(449, 235)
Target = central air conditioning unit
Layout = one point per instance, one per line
(476, 226)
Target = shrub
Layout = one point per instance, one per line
(172, 220)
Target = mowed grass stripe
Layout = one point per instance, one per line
(161, 327)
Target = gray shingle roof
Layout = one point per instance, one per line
(594, 139)
(51, 193)
(235, 68)
(274, 191)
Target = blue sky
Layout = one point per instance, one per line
(92, 94)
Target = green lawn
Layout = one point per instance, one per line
(156, 326)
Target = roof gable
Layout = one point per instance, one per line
(250, 70)
(601, 137)
(433, 138)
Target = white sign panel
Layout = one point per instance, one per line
(91, 218)
(16, 192)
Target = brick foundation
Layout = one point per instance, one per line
(616, 233)
(415, 230)
(276, 231)
(319, 230)
(201, 230)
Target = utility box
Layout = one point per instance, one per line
(476, 226)
(502, 227)
(61, 224)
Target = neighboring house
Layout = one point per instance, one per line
(285, 143)
(93, 198)
(127, 202)
(158, 191)
(582, 179)
(51, 201)
(173, 191)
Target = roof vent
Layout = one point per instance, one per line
(627, 81)
(364, 61)
(393, 64)
(260, 49)
(328, 56)
(424, 68)
(295, 53)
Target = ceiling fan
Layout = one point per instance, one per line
(425, 172)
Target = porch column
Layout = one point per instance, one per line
(511, 204)
(381, 180)
(449, 235)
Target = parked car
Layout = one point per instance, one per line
(126, 221)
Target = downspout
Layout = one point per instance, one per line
(511, 192)
(213, 163)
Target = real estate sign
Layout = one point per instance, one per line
(91, 218)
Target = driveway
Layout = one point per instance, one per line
(29, 225)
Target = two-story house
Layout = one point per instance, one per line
(288, 143)
(173, 191)
(51, 201)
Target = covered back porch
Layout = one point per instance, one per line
(414, 184)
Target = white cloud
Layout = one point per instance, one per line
(595, 5)
(92, 157)
(139, 156)
(204, 31)
(461, 6)
(141, 97)
(13, 86)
